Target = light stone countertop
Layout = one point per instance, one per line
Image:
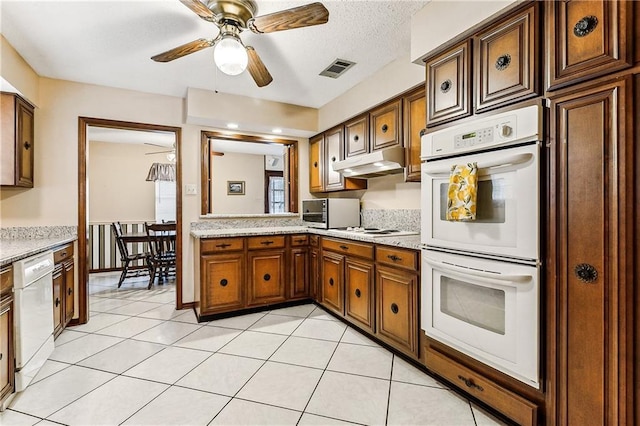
(12, 250)
(404, 241)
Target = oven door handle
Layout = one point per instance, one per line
(482, 276)
(495, 163)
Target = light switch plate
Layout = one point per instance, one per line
(190, 189)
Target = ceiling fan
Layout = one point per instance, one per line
(234, 16)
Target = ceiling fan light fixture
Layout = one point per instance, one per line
(230, 55)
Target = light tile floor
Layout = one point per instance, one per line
(140, 362)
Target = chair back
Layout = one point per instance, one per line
(122, 247)
(161, 238)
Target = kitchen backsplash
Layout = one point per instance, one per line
(401, 219)
(246, 222)
(37, 232)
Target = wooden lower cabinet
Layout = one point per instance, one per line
(222, 282)
(58, 301)
(7, 363)
(266, 277)
(332, 279)
(358, 283)
(63, 288)
(299, 267)
(397, 308)
(314, 268)
(68, 266)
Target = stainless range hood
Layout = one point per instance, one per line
(378, 163)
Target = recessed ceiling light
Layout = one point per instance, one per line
(277, 130)
(232, 125)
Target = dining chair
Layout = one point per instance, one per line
(126, 258)
(162, 255)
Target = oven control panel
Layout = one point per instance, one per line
(516, 126)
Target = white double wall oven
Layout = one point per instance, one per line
(481, 278)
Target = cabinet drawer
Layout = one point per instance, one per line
(6, 279)
(221, 245)
(397, 257)
(348, 247)
(511, 405)
(266, 242)
(63, 253)
(299, 240)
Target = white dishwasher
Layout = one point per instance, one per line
(33, 288)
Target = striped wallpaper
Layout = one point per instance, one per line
(103, 250)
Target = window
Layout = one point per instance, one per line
(274, 192)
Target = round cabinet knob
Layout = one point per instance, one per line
(356, 138)
(224, 282)
(69, 291)
(358, 293)
(266, 277)
(506, 131)
(394, 308)
(330, 281)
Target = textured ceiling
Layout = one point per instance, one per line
(110, 42)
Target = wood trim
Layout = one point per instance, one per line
(83, 224)
(205, 169)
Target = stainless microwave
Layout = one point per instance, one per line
(327, 213)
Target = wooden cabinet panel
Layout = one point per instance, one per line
(7, 373)
(222, 282)
(63, 254)
(16, 141)
(266, 242)
(332, 282)
(523, 412)
(68, 290)
(348, 247)
(395, 256)
(506, 65)
(386, 125)
(397, 313)
(299, 240)
(333, 143)
(266, 277)
(588, 38)
(218, 245)
(316, 167)
(314, 274)
(356, 136)
(359, 292)
(58, 301)
(449, 85)
(414, 111)
(593, 147)
(299, 273)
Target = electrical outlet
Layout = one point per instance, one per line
(190, 189)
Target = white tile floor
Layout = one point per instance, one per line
(140, 362)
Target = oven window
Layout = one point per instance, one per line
(474, 304)
(491, 201)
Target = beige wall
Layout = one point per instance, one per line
(118, 190)
(238, 167)
(18, 73)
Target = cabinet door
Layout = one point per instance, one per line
(506, 60)
(587, 38)
(358, 282)
(386, 125)
(6, 346)
(316, 167)
(299, 272)
(314, 271)
(397, 317)
(356, 136)
(266, 277)
(333, 143)
(25, 142)
(593, 152)
(68, 291)
(449, 85)
(58, 302)
(332, 282)
(415, 120)
(222, 282)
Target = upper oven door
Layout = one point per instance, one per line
(507, 216)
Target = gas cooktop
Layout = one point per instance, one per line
(373, 232)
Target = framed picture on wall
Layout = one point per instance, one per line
(235, 187)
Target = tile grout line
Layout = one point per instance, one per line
(386, 418)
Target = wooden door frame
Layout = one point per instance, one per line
(83, 220)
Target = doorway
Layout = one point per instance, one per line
(84, 123)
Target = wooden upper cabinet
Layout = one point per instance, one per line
(316, 168)
(415, 120)
(16, 141)
(356, 135)
(587, 39)
(448, 85)
(386, 125)
(506, 67)
(333, 145)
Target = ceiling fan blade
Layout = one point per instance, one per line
(298, 17)
(159, 152)
(256, 68)
(183, 50)
(199, 9)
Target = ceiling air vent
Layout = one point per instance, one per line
(337, 68)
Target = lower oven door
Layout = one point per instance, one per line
(507, 206)
(486, 309)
